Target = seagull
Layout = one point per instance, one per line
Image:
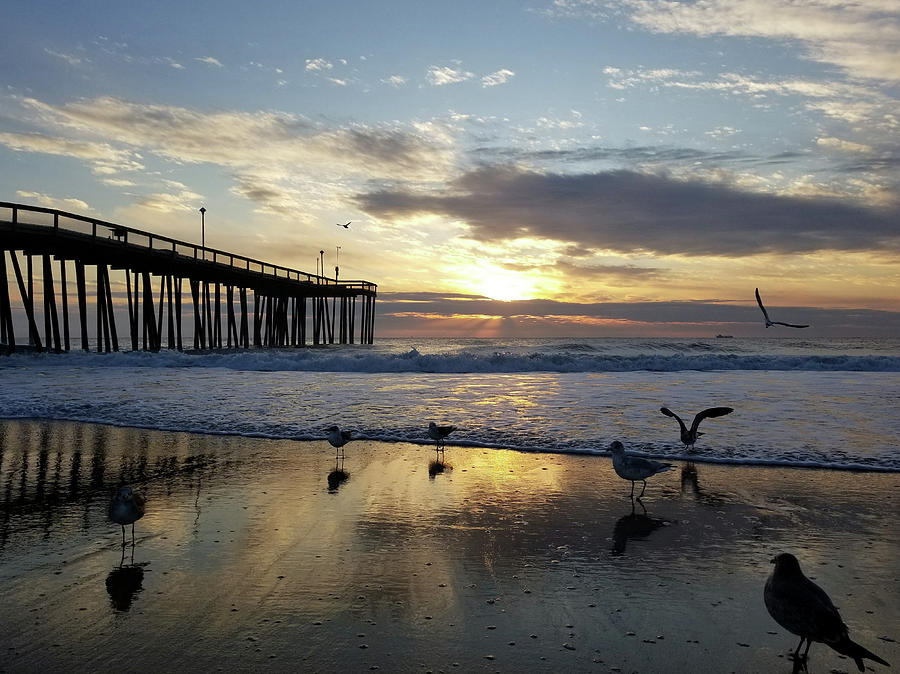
(770, 323)
(438, 434)
(634, 468)
(338, 438)
(689, 437)
(347, 226)
(802, 607)
(126, 507)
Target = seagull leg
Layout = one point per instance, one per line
(132, 534)
(642, 490)
(632, 489)
(123, 537)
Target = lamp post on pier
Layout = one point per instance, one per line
(203, 230)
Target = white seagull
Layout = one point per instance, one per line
(338, 438)
(347, 226)
(689, 436)
(634, 468)
(439, 434)
(803, 608)
(126, 507)
(770, 323)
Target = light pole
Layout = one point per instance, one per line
(203, 230)
(337, 262)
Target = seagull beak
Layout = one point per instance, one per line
(772, 561)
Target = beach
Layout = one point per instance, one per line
(250, 559)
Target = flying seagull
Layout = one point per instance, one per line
(802, 607)
(439, 434)
(689, 436)
(634, 468)
(338, 438)
(126, 507)
(347, 226)
(770, 323)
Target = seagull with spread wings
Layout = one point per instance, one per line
(689, 435)
(347, 226)
(769, 322)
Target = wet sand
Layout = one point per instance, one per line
(247, 560)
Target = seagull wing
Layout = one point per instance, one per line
(670, 413)
(759, 302)
(789, 325)
(711, 412)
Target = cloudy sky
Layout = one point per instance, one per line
(535, 167)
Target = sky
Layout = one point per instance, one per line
(509, 168)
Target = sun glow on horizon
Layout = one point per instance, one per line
(501, 284)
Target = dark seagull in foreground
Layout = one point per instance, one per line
(689, 435)
(347, 226)
(769, 322)
(338, 438)
(634, 468)
(802, 607)
(126, 507)
(439, 434)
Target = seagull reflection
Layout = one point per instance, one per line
(438, 467)
(338, 476)
(123, 584)
(634, 526)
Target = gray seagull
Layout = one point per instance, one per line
(338, 438)
(770, 323)
(126, 507)
(439, 434)
(634, 468)
(802, 607)
(689, 436)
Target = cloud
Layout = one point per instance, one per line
(210, 61)
(441, 75)
(318, 64)
(496, 78)
(862, 38)
(70, 204)
(413, 313)
(395, 81)
(71, 59)
(104, 157)
(630, 212)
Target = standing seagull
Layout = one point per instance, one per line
(689, 437)
(347, 226)
(802, 607)
(338, 438)
(126, 507)
(634, 468)
(770, 323)
(438, 434)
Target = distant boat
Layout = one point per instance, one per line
(724, 336)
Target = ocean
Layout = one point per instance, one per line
(797, 401)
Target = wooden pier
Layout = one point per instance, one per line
(235, 302)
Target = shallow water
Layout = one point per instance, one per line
(247, 559)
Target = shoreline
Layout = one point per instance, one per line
(426, 442)
(502, 561)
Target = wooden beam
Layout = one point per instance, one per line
(27, 302)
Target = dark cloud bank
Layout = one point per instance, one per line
(397, 314)
(632, 212)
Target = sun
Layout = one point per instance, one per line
(503, 284)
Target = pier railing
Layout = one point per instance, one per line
(129, 236)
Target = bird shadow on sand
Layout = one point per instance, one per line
(438, 466)
(338, 476)
(636, 525)
(125, 582)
